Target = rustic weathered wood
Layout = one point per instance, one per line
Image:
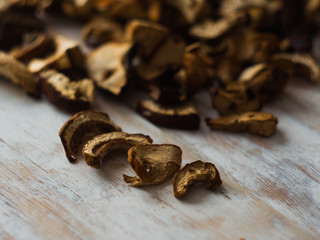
(270, 186)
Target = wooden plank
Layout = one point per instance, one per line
(270, 190)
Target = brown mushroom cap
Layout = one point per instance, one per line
(105, 66)
(17, 72)
(98, 147)
(84, 124)
(301, 64)
(263, 124)
(153, 164)
(67, 55)
(195, 172)
(66, 94)
(183, 116)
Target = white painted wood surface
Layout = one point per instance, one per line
(270, 186)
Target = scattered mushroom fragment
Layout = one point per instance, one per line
(16, 71)
(98, 147)
(66, 94)
(263, 124)
(100, 30)
(83, 125)
(106, 66)
(183, 116)
(67, 55)
(191, 173)
(153, 164)
(301, 64)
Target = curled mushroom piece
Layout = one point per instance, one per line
(153, 164)
(197, 171)
(100, 30)
(16, 71)
(301, 64)
(84, 125)
(98, 147)
(67, 55)
(66, 94)
(263, 124)
(106, 66)
(183, 116)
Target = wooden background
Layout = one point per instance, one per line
(270, 185)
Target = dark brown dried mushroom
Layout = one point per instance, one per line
(84, 125)
(169, 55)
(301, 64)
(35, 46)
(263, 79)
(106, 66)
(190, 9)
(147, 36)
(195, 66)
(183, 116)
(263, 124)
(101, 30)
(234, 102)
(191, 173)
(66, 94)
(98, 147)
(16, 71)
(153, 164)
(67, 55)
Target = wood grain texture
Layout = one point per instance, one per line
(270, 186)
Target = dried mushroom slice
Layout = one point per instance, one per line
(67, 55)
(301, 64)
(183, 116)
(211, 30)
(36, 45)
(190, 9)
(16, 71)
(191, 173)
(98, 147)
(66, 94)
(153, 164)
(235, 102)
(169, 55)
(147, 36)
(83, 125)
(263, 124)
(106, 66)
(195, 66)
(101, 30)
(264, 80)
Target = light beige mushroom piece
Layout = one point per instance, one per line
(67, 55)
(16, 71)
